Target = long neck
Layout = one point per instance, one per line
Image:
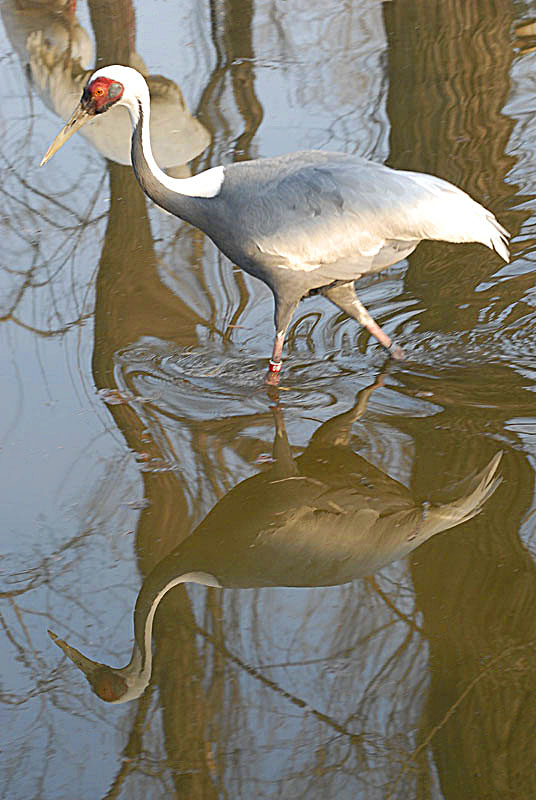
(177, 195)
(157, 584)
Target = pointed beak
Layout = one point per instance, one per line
(86, 665)
(106, 682)
(80, 117)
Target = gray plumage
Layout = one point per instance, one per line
(311, 218)
(322, 519)
(331, 216)
(308, 221)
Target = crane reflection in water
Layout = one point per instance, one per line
(323, 518)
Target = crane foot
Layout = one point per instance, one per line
(396, 352)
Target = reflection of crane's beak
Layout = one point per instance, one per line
(79, 118)
(106, 682)
(79, 659)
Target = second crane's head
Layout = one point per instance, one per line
(109, 86)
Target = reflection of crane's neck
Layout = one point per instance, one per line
(138, 672)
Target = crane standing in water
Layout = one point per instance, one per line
(307, 222)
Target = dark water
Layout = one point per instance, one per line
(345, 657)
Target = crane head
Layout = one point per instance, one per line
(100, 94)
(108, 683)
(111, 684)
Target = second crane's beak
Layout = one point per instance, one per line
(80, 117)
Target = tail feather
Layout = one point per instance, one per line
(477, 491)
(500, 239)
(443, 212)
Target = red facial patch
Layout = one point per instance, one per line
(107, 684)
(104, 92)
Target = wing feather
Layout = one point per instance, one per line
(347, 215)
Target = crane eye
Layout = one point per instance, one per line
(99, 91)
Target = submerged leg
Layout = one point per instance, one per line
(284, 309)
(345, 298)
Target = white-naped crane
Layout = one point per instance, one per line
(307, 222)
(323, 518)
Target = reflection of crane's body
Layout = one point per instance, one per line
(322, 519)
(302, 223)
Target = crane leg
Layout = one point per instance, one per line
(345, 298)
(284, 309)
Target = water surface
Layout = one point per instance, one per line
(137, 437)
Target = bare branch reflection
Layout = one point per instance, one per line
(415, 681)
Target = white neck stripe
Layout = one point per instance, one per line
(205, 184)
